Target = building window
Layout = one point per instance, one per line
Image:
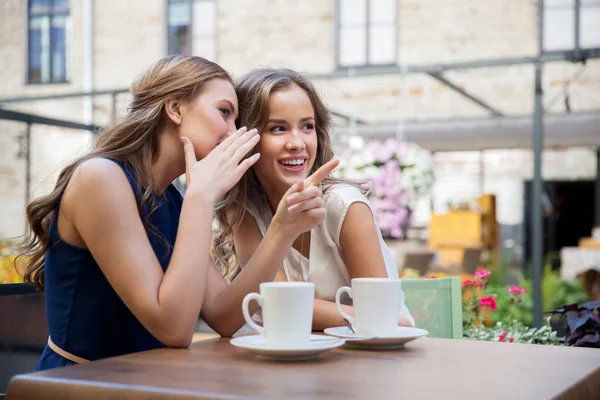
(192, 27)
(559, 24)
(367, 32)
(180, 27)
(49, 27)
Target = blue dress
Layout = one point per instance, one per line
(85, 315)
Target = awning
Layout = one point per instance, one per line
(564, 130)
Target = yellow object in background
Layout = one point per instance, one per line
(452, 233)
(8, 273)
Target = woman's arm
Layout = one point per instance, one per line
(101, 208)
(261, 258)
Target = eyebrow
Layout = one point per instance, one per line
(283, 121)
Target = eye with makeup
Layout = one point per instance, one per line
(225, 111)
(309, 126)
(226, 108)
(277, 129)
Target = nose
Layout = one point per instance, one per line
(231, 126)
(295, 141)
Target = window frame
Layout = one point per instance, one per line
(192, 35)
(51, 14)
(190, 4)
(368, 25)
(552, 10)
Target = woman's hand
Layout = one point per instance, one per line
(302, 207)
(223, 167)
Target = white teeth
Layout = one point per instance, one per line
(293, 162)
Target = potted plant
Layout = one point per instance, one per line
(480, 307)
(583, 324)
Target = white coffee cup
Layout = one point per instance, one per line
(377, 303)
(287, 311)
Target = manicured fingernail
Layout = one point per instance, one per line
(291, 198)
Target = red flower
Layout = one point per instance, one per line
(430, 277)
(489, 302)
(517, 290)
(483, 274)
(470, 282)
(502, 336)
(510, 339)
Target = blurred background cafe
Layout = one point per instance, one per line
(475, 125)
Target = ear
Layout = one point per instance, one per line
(172, 108)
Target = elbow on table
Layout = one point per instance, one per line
(222, 324)
(225, 330)
(174, 334)
(177, 339)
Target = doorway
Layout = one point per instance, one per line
(569, 214)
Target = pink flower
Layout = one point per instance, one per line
(470, 282)
(483, 274)
(502, 336)
(430, 277)
(518, 290)
(489, 302)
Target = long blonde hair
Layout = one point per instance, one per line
(253, 91)
(135, 139)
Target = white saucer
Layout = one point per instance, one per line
(318, 344)
(395, 341)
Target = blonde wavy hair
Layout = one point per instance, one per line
(134, 139)
(253, 91)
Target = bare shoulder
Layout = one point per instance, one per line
(358, 223)
(99, 174)
(99, 170)
(360, 243)
(341, 201)
(360, 212)
(96, 179)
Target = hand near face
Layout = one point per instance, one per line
(302, 207)
(223, 167)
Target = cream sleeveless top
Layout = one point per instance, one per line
(326, 266)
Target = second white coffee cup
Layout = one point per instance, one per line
(377, 303)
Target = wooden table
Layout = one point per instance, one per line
(425, 369)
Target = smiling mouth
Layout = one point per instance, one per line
(293, 164)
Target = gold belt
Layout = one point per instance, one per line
(65, 354)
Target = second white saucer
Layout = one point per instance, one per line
(318, 344)
(402, 336)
